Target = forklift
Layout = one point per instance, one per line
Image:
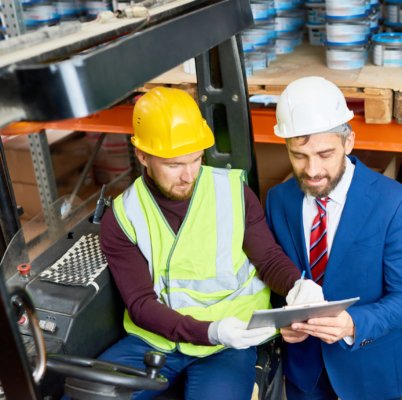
(54, 326)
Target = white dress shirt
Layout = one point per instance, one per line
(334, 208)
(337, 199)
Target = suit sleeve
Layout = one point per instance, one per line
(374, 320)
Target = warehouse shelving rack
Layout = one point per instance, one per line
(118, 120)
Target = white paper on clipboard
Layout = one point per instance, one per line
(285, 316)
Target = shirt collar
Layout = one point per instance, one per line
(339, 193)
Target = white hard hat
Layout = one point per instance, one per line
(310, 105)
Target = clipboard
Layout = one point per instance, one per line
(285, 316)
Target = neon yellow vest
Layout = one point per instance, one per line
(202, 271)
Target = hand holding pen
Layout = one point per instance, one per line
(304, 291)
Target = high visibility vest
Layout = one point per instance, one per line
(202, 270)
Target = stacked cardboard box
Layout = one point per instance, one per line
(69, 152)
(112, 159)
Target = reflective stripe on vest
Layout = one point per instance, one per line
(135, 215)
(232, 289)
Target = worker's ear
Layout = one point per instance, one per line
(142, 157)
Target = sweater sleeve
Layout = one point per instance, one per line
(274, 267)
(131, 274)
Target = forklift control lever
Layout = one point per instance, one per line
(154, 361)
(106, 372)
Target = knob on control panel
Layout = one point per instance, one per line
(23, 321)
(24, 271)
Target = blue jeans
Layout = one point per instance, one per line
(227, 375)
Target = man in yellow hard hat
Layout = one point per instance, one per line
(192, 256)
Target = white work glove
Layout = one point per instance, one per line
(231, 332)
(304, 291)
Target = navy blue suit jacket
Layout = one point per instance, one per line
(365, 261)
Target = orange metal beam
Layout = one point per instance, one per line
(385, 137)
(114, 120)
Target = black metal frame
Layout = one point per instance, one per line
(15, 371)
(9, 221)
(100, 77)
(223, 98)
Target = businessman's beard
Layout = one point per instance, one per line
(320, 191)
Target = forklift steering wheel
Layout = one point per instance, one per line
(110, 373)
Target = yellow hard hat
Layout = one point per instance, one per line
(168, 123)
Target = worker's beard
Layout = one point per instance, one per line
(176, 194)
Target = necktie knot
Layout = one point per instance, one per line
(322, 201)
(322, 205)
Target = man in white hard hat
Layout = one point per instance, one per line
(341, 223)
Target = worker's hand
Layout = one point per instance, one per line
(291, 336)
(304, 291)
(231, 332)
(328, 329)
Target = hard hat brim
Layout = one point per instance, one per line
(204, 144)
(325, 129)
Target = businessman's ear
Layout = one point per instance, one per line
(350, 143)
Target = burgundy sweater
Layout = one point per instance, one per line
(130, 269)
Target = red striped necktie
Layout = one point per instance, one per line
(318, 241)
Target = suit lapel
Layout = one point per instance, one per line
(359, 204)
(294, 218)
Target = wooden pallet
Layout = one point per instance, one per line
(398, 107)
(377, 88)
(378, 103)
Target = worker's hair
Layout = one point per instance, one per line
(343, 130)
